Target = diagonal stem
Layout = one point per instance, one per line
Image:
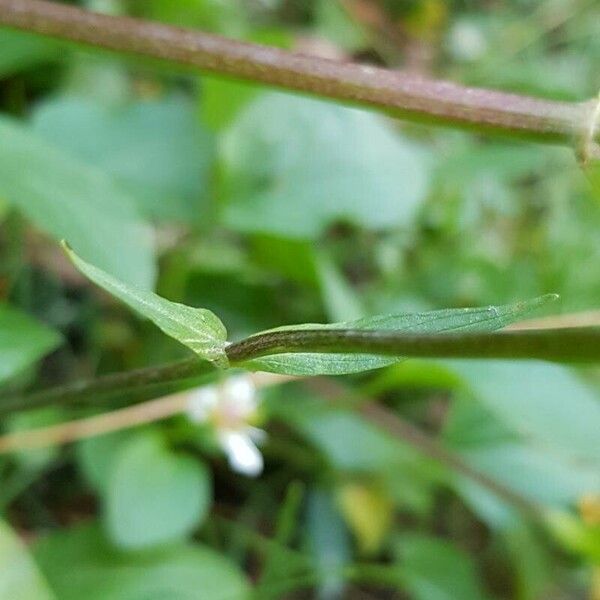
(403, 95)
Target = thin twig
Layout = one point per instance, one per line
(403, 95)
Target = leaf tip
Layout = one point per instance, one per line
(66, 246)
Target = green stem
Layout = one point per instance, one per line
(563, 345)
(576, 344)
(127, 387)
(399, 94)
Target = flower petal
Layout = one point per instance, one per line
(244, 457)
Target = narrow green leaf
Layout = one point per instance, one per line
(196, 328)
(23, 341)
(19, 576)
(153, 495)
(484, 319)
(70, 199)
(546, 402)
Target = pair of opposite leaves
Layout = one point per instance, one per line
(204, 333)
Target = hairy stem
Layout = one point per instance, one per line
(399, 94)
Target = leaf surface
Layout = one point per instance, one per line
(293, 166)
(70, 199)
(153, 495)
(19, 576)
(103, 573)
(197, 328)
(489, 318)
(157, 149)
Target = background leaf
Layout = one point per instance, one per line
(19, 577)
(156, 148)
(543, 402)
(153, 495)
(70, 199)
(294, 166)
(23, 341)
(103, 573)
(435, 570)
(197, 328)
(538, 471)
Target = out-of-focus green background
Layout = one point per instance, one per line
(270, 209)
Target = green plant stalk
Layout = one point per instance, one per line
(577, 344)
(127, 387)
(402, 95)
(560, 345)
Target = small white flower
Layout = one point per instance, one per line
(244, 457)
(231, 408)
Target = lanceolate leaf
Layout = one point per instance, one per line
(484, 319)
(197, 328)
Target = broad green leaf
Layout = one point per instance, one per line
(70, 199)
(293, 166)
(483, 319)
(79, 563)
(344, 439)
(197, 328)
(436, 570)
(507, 453)
(19, 576)
(157, 149)
(547, 403)
(23, 341)
(96, 456)
(153, 495)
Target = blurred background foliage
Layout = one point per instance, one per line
(270, 208)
